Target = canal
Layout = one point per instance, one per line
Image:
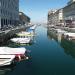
(47, 57)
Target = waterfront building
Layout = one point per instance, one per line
(9, 10)
(23, 19)
(51, 17)
(69, 14)
(58, 17)
(70, 2)
(64, 16)
(55, 17)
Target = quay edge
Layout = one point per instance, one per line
(7, 34)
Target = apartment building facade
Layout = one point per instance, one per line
(55, 17)
(69, 13)
(51, 17)
(9, 12)
(58, 17)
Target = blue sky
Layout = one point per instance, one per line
(37, 10)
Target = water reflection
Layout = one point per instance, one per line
(15, 45)
(47, 57)
(69, 46)
(6, 69)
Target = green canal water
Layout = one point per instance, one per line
(48, 57)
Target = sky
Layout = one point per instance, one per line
(37, 10)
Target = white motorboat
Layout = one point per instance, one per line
(11, 51)
(69, 36)
(6, 59)
(33, 27)
(60, 31)
(21, 40)
(17, 53)
(24, 33)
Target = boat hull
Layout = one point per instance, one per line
(6, 60)
(21, 40)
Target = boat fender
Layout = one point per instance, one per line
(27, 57)
(19, 57)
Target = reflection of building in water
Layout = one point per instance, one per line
(51, 34)
(54, 34)
(69, 46)
(59, 37)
